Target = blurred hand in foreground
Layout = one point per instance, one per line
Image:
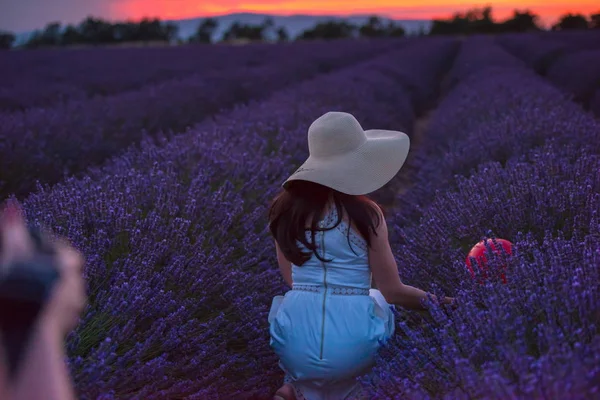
(43, 372)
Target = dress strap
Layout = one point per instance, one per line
(344, 227)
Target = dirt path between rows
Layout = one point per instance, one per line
(419, 133)
(404, 179)
(405, 182)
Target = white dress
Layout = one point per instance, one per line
(328, 328)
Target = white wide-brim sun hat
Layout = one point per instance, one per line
(346, 158)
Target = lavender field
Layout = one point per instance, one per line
(160, 166)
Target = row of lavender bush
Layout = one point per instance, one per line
(421, 72)
(48, 77)
(571, 61)
(578, 74)
(180, 266)
(595, 104)
(46, 144)
(475, 54)
(577, 40)
(541, 50)
(508, 155)
(503, 102)
(537, 52)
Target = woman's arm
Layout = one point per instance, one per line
(385, 273)
(284, 266)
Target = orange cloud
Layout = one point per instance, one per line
(410, 9)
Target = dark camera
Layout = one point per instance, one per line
(24, 289)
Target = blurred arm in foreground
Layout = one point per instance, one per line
(42, 372)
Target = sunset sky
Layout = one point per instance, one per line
(24, 15)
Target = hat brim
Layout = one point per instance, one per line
(362, 171)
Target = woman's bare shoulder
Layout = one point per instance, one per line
(377, 209)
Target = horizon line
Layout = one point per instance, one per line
(543, 21)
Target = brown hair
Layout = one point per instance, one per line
(301, 200)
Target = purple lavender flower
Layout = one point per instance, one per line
(577, 74)
(534, 337)
(575, 40)
(508, 156)
(76, 74)
(476, 54)
(46, 144)
(495, 115)
(180, 265)
(537, 52)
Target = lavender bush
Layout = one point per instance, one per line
(535, 337)
(48, 77)
(46, 144)
(422, 79)
(477, 53)
(529, 177)
(538, 53)
(575, 40)
(550, 192)
(180, 265)
(577, 74)
(494, 115)
(181, 269)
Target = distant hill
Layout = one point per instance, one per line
(294, 24)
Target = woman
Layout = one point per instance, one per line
(331, 240)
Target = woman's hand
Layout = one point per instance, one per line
(452, 303)
(449, 302)
(61, 314)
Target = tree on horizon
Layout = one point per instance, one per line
(396, 30)
(472, 21)
(376, 28)
(205, 31)
(329, 30)
(6, 40)
(96, 31)
(571, 22)
(522, 21)
(282, 34)
(481, 21)
(372, 28)
(265, 31)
